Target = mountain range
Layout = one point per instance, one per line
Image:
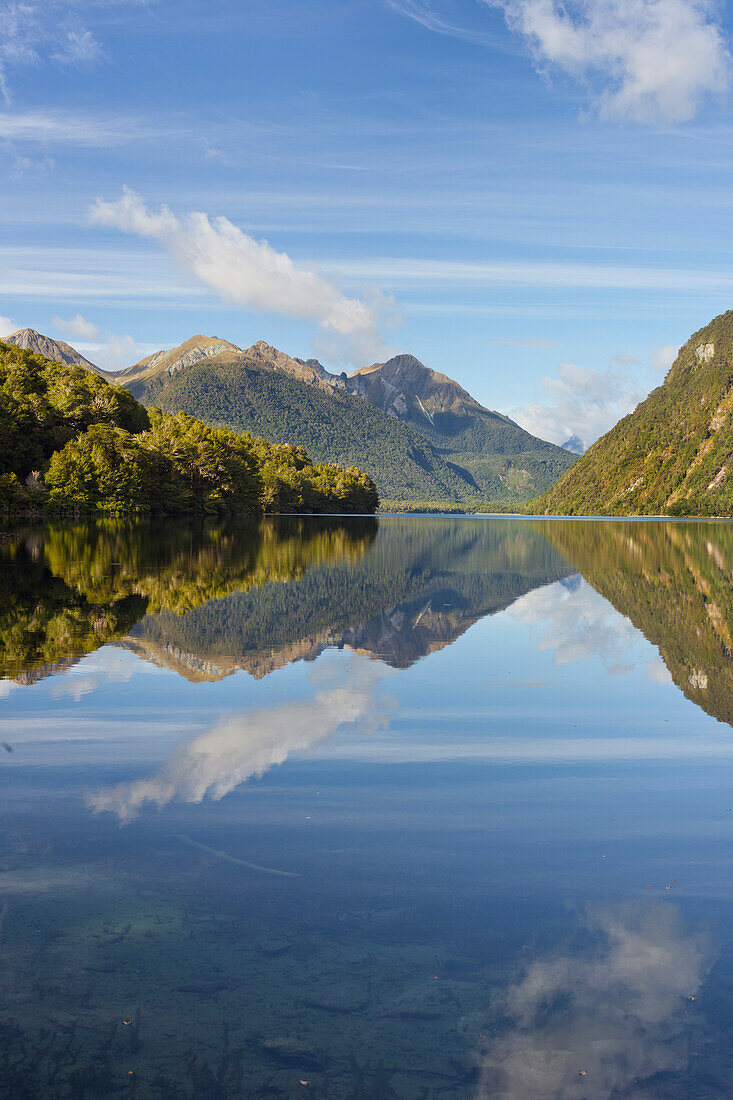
(418, 434)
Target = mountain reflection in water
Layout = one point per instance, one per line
(414, 808)
(206, 600)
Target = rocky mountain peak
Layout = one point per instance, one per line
(58, 350)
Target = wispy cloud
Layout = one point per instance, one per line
(252, 274)
(646, 60)
(407, 271)
(425, 13)
(36, 31)
(49, 127)
(7, 327)
(582, 402)
(540, 342)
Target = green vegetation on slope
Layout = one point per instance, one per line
(505, 462)
(502, 460)
(333, 427)
(69, 440)
(674, 454)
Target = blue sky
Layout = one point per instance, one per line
(534, 200)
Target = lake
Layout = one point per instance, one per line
(400, 807)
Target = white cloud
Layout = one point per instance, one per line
(7, 327)
(76, 327)
(647, 60)
(664, 357)
(597, 1021)
(246, 745)
(106, 350)
(252, 274)
(582, 402)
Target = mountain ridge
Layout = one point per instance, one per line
(438, 442)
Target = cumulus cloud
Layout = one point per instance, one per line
(104, 349)
(245, 745)
(664, 357)
(646, 60)
(7, 327)
(581, 401)
(76, 327)
(600, 1021)
(251, 273)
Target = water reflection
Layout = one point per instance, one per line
(67, 589)
(604, 1016)
(673, 582)
(241, 746)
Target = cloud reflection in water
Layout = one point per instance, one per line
(242, 746)
(596, 1024)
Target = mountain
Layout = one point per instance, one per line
(426, 441)
(674, 454)
(575, 445)
(219, 383)
(307, 370)
(501, 458)
(197, 349)
(58, 350)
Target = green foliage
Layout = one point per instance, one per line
(44, 404)
(83, 445)
(674, 454)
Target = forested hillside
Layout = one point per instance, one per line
(337, 426)
(71, 441)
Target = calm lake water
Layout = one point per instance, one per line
(407, 807)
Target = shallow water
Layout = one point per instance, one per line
(370, 808)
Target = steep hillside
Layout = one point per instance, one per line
(674, 454)
(436, 444)
(58, 350)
